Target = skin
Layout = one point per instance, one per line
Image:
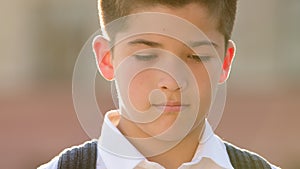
(146, 81)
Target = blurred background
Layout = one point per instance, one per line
(39, 44)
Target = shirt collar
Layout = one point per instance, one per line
(211, 147)
(117, 152)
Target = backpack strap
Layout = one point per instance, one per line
(79, 157)
(243, 159)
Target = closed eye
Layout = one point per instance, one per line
(145, 57)
(199, 58)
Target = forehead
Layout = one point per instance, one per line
(190, 22)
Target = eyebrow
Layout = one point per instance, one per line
(145, 42)
(156, 44)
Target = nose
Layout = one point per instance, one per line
(170, 84)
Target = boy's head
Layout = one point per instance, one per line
(144, 65)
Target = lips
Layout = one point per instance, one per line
(170, 107)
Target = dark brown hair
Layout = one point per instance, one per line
(223, 10)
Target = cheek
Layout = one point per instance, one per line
(205, 97)
(139, 90)
(204, 86)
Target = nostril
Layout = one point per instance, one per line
(164, 87)
(183, 85)
(169, 83)
(172, 85)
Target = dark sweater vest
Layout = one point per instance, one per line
(85, 157)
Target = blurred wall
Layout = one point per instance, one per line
(40, 41)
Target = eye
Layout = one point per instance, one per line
(145, 57)
(199, 58)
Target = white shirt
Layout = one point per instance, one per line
(210, 154)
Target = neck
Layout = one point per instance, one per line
(172, 158)
(181, 153)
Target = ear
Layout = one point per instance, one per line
(229, 56)
(103, 57)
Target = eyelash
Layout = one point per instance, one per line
(198, 58)
(145, 57)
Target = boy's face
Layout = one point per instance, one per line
(157, 89)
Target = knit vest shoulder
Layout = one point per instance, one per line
(85, 157)
(244, 159)
(80, 157)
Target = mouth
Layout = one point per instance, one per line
(170, 107)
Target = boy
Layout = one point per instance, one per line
(167, 58)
